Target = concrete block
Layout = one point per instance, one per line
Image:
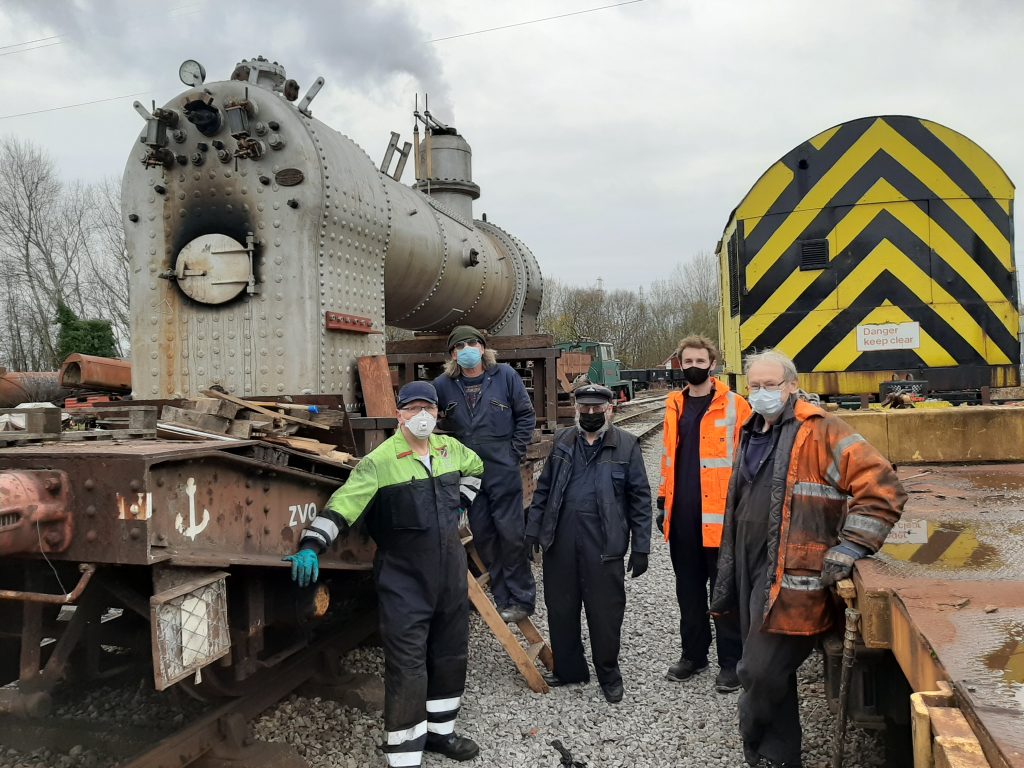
(961, 435)
(872, 425)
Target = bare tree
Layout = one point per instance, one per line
(550, 306)
(579, 316)
(59, 244)
(683, 303)
(627, 319)
(109, 265)
(29, 191)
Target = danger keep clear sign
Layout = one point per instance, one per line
(877, 338)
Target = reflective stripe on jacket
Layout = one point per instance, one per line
(828, 484)
(719, 436)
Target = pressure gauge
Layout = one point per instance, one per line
(192, 73)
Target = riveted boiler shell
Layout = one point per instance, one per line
(319, 245)
(330, 234)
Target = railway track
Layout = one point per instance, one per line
(642, 417)
(220, 733)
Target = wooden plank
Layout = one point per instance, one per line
(25, 437)
(504, 635)
(216, 407)
(341, 457)
(304, 444)
(375, 380)
(261, 409)
(204, 421)
(283, 406)
(533, 637)
(440, 343)
(246, 427)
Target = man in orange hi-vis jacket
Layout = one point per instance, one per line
(702, 428)
(808, 498)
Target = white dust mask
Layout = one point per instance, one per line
(421, 425)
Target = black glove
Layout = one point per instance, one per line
(660, 520)
(660, 503)
(839, 562)
(637, 564)
(532, 545)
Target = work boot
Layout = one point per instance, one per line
(764, 762)
(684, 669)
(452, 745)
(727, 681)
(612, 692)
(513, 614)
(554, 681)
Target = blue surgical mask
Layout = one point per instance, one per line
(469, 357)
(767, 403)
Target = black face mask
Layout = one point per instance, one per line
(695, 375)
(591, 422)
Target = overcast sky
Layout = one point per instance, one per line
(614, 143)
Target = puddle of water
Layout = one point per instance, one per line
(996, 480)
(948, 546)
(1008, 660)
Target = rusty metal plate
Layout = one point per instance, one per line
(208, 503)
(955, 570)
(961, 522)
(289, 177)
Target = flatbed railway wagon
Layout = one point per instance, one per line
(941, 605)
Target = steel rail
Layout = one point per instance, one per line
(209, 730)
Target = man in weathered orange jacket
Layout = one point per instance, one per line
(702, 429)
(808, 497)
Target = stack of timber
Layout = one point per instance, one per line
(44, 423)
(220, 414)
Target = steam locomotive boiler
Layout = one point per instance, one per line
(269, 252)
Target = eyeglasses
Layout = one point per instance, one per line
(766, 387)
(463, 344)
(412, 410)
(591, 408)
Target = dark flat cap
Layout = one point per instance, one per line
(593, 394)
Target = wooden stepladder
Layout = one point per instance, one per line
(525, 659)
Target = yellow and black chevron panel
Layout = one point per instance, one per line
(882, 246)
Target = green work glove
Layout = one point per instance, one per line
(305, 566)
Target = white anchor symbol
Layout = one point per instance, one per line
(193, 530)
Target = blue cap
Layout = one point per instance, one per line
(417, 390)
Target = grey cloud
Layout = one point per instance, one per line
(361, 43)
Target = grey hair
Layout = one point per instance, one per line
(771, 356)
(488, 357)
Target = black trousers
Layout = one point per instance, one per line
(424, 628)
(576, 577)
(768, 706)
(498, 523)
(696, 566)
